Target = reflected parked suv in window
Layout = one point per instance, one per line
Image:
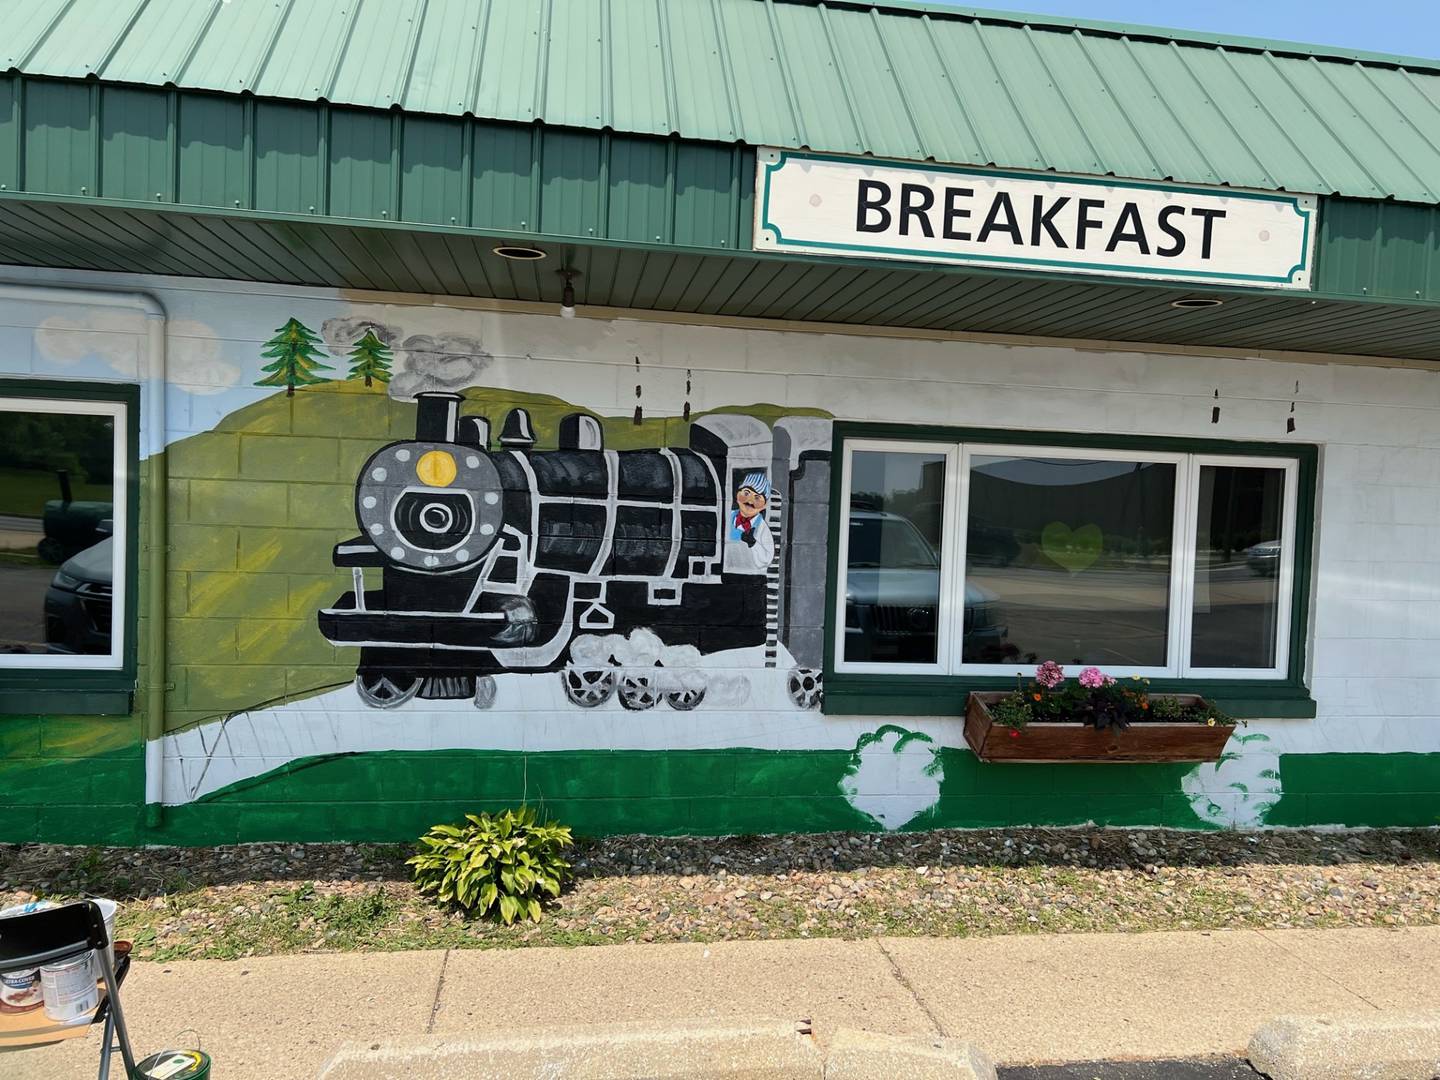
(77, 603)
(893, 591)
(1264, 558)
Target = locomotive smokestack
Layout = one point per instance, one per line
(438, 412)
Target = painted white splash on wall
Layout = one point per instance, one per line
(1239, 789)
(893, 776)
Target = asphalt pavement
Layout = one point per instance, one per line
(22, 604)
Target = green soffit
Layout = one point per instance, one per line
(894, 80)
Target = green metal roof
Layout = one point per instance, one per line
(893, 80)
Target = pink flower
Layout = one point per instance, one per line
(1092, 678)
(1049, 674)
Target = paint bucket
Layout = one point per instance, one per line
(174, 1065)
(108, 908)
(20, 990)
(69, 989)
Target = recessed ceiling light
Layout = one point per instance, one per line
(1192, 302)
(519, 251)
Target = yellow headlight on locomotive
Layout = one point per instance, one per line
(436, 468)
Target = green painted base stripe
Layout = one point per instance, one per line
(1359, 789)
(395, 796)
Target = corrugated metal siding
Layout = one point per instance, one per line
(433, 172)
(99, 141)
(59, 141)
(1389, 250)
(135, 158)
(213, 153)
(844, 76)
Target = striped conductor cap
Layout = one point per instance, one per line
(757, 482)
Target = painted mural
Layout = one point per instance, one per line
(522, 571)
(618, 570)
(429, 560)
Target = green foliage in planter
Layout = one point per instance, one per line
(501, 865)
(1011, 711)
(1096, 700)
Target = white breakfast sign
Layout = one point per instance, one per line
(865, 207)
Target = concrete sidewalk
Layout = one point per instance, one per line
(1023, 999)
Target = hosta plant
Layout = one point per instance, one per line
(502, 865)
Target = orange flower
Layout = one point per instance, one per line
(1036, 696)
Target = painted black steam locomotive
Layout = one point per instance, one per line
(497, 560)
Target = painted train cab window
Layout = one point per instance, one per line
(64, 480)
(988, 559)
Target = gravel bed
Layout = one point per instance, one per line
(259, 899)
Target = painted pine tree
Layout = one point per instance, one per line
(370, 359)
(294, 355)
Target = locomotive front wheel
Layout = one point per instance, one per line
(588, 687)
(638, 693)
(685, 700)
(386, 690)
(806, 687)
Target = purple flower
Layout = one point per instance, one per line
(1049, 674)
(1092, 678)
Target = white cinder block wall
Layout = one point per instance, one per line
(1376, 608)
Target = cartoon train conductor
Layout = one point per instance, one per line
(498, 560)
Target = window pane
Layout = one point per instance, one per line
(1237, 567)
(1068, 559)
(57, 476)
(892, 574)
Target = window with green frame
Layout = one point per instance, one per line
(961, 558)
(68, 504)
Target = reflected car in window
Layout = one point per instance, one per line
(78, 602)
(892, 599)
(1264, 558)
(72, 525)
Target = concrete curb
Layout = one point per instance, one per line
(760, 1050)
(863, 1055)
(1377, 1046)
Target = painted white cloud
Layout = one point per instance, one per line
(195, 360)
(115, 337)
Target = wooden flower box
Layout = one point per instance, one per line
(1081, 743)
